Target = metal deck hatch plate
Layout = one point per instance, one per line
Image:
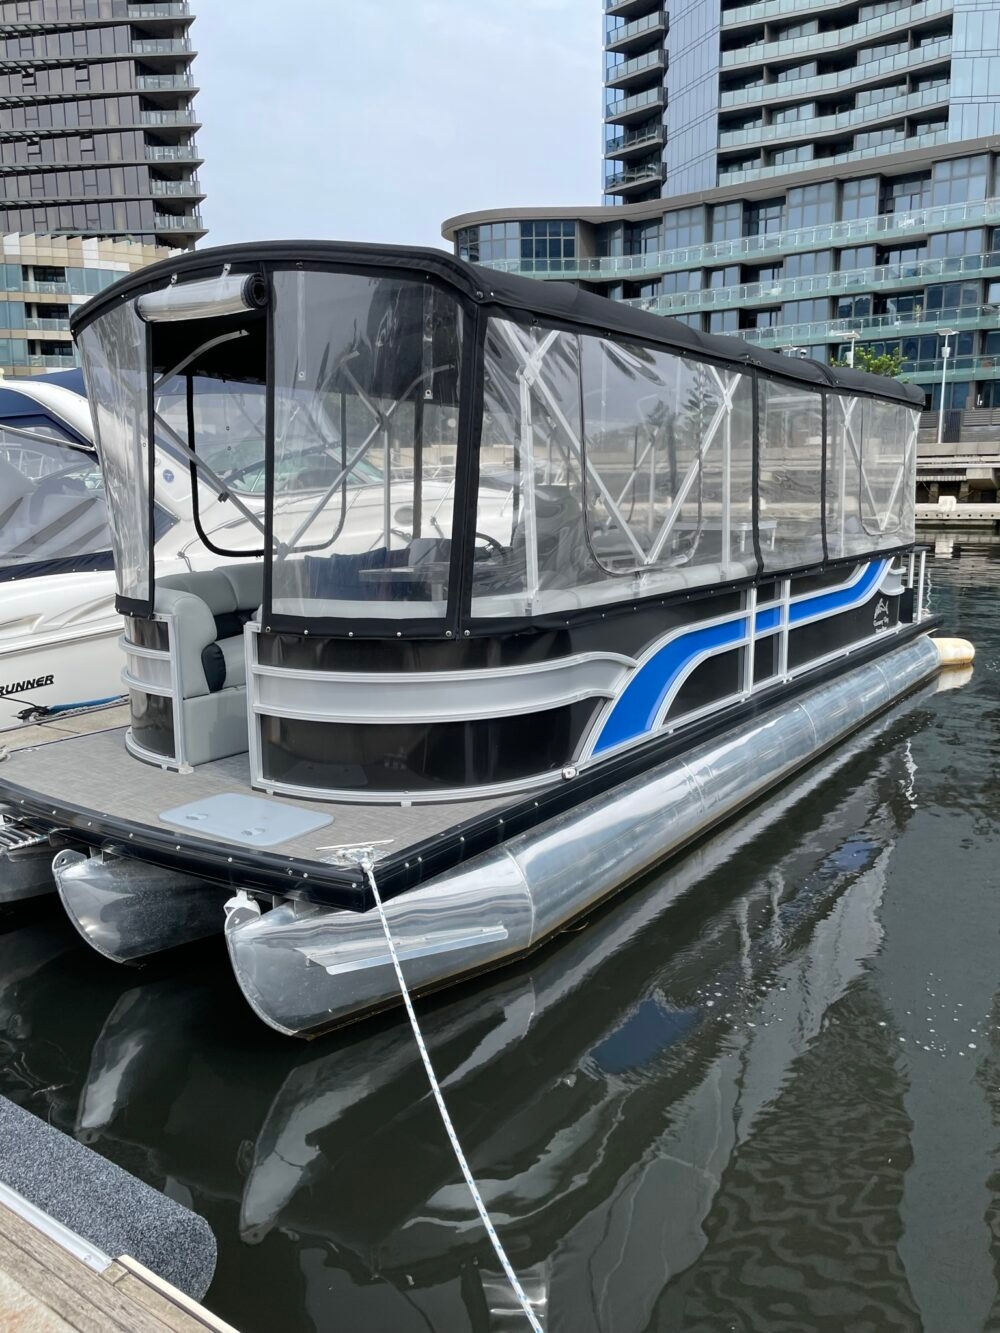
(245, 819)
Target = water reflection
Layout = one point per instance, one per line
(692, 1113)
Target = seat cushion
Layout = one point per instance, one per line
(234, 653)
(224, 663)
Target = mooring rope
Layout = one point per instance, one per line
(367, 865)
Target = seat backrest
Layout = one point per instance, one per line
(247, 582)
(211, 585)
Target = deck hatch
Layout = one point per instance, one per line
(249, 821)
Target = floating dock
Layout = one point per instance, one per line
(48, 1286)
(71, 1224)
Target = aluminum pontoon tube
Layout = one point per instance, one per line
(128, 909)
(306, 969)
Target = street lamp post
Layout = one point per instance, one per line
(853, 336)
(945, 353)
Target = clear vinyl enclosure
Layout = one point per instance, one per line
(400, 450)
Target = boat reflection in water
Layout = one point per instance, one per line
(601, 1089)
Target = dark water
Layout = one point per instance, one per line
(770, 1103)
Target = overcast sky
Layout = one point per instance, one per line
(374, 120)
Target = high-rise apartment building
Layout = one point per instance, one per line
(97, 144)
(809, 175)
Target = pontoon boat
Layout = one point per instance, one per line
(622, 578)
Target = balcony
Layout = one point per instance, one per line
(45, 361)
(637, 33)
(36, 324)
(627, 183)
(873, 327)
(856, 231)
(629, 9)
(190, 187)
(164, 119)
(840, 79)
(635, 72)
(178, 222)
(764, 11)
(162, 46)
(855, 155)
(164, 83)
(45, 288)
(172, 153)
(842, 38)
(626, 145)
(179, 9)
(812, 127)
(631, 109)
(884, 277)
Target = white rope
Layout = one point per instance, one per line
(529, 1314)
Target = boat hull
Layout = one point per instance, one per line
(305, 969)
(128, 909)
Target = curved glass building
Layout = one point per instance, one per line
(810, 176)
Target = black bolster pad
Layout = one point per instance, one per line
(230, 623)
(214, 665)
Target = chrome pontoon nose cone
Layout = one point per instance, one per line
(127, 909)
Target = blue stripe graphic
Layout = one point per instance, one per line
(841, 600)
(635, 710)
(636, 707)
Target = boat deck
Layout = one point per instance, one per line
(92, 785)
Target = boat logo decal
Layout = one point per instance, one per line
(22, 686)
(880, 619)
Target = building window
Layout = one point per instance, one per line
(724, 321)
(688, 280)
(955, 244)
(548, 244)
(643, 238)
(962, 179)
(853, 307)
(786, 156)
(683, 227)
(859, 198)
(726, 221)
(764, 218)
(809, 265)
(901, 194)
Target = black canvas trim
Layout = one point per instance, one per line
(562, 304)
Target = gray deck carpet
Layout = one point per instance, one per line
(95, 772)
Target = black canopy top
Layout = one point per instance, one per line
(561, 303)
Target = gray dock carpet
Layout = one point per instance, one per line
(104, 1204)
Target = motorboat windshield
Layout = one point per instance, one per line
(53, 516)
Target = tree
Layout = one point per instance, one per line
(883, 363)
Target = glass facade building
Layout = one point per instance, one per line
(97, 121)
(809, 176)
(98, 158)
(42, 279)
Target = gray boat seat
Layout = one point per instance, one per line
(210, 608)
